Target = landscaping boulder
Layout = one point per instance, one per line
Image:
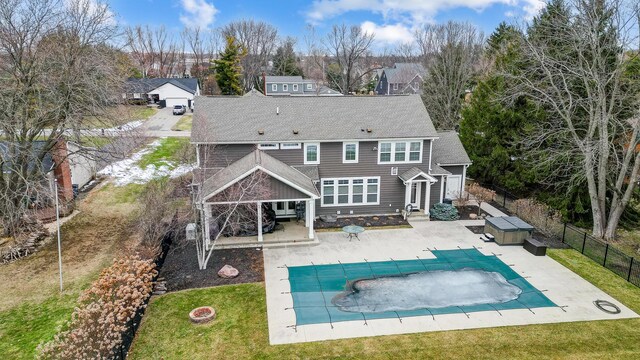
(473, 216)
(228, 272)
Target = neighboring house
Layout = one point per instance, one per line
(295, 86)
(341, 156)
(64, 161)
(173, 91)
(400, 79)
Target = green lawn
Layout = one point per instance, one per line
(240, 331)
(170, 151)
(31, 308)
(184, 124)
(141, 112)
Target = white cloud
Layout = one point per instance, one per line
(388, 34)
(197, 13)
(532, 8)
(413, 12)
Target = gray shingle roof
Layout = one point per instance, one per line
(448, 149)
(146, 85)
(252, 161)
(437, 170)
(403, 73)
(231, 119)
(412, 173)
(288, 79)
(310, 171)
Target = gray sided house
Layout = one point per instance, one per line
(400, 79)
(295, 86)
(339, 155)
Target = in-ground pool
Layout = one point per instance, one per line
(456, 281)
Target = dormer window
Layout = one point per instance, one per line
(285, 87)
(295, 87)
(309, 86)
(274, 87)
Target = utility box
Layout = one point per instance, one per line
(191, 231)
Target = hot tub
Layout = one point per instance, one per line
(508, 230)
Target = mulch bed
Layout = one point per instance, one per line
(364, 221)
(465, 211)
(181, 271)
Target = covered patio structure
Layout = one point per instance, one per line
(281, 183)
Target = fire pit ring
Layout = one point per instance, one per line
(201, 315)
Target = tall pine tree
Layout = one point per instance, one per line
(285, 61)
(228, 70)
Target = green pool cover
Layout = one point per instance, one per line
(314, 287)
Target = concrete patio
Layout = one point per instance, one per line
(292, 234)
(573, 295)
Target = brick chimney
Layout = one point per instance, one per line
(264, 83)
(62, 170)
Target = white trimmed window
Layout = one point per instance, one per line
(395, 86)
(268, 146)
(309, 86)
(285, 146)
(285, 87)
(350, 191)
(350, 152)
(295, 87)
(396, 152)
(274, 87)
(311, 153)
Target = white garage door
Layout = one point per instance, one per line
(176, 101)
(454, 182)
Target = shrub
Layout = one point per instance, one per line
(445, 212)
(480, 194)
(104, 313)
(547, 220)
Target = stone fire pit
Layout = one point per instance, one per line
(202, 314)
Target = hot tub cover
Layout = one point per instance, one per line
(509, 223)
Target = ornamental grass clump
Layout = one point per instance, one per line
(444, 212)
(104, 313)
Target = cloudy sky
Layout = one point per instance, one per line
(391, 20)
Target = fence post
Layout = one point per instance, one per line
(630, 267)
(564, 231)
(606, 251)
(584, 241)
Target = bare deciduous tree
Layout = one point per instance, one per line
(259, 39)
(155, 51)
(451, 53)
(57, 71)
(349, 50)
(578, 74)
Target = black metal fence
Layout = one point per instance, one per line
(595, 249)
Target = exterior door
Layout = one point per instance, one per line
(454, 182)
(415, 195)
(285, 208)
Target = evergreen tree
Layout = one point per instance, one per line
(285, 61)
(228, 71)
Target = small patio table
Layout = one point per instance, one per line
(353, 231)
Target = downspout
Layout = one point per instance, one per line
(264, 82)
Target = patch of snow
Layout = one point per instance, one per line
(127, 171)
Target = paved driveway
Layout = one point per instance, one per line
(160, 124)
(572, 294)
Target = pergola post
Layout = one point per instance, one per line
(259, 205)
(207, 218)
(311, 209)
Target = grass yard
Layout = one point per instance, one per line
(184, 124)
(31, 307)
(171, 150)
(240, 331)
